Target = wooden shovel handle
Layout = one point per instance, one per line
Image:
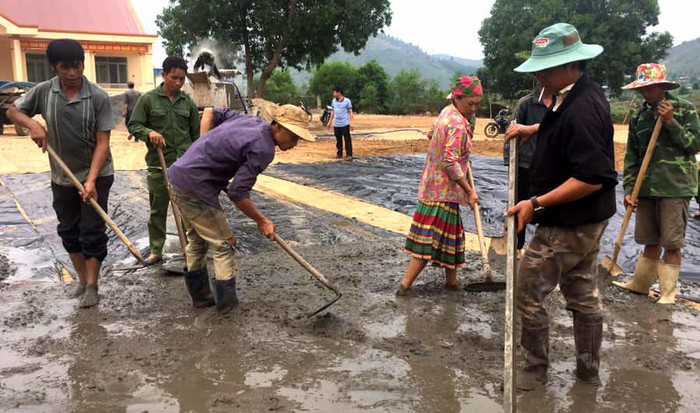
(176, 211)
(298, 258)
(479, 229)
(132, 248)
(637, 187)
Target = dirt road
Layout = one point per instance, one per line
(373, 136)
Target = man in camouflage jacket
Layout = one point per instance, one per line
(671, 180)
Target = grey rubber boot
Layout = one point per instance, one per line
(588, 337)
(197, 283)
(78, 291)
(90, 298)
(226, 297)
(535, 345)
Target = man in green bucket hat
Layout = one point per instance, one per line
(573, 179)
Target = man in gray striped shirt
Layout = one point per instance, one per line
(78, 116)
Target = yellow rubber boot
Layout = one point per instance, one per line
(668, 277)
(644, 275)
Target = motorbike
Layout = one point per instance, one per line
(499, 124)
(326, 116)
(308, 113)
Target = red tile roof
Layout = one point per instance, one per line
(78, 16)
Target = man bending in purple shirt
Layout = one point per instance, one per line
(238, 146)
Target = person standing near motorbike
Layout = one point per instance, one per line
(342, 118)
(528, 114)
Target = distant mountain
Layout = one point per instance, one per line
(395, 55)
(684, 60)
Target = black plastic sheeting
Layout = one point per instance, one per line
(392, 182)
(36, 250)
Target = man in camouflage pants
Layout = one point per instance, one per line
(671, 180)
(573, 179)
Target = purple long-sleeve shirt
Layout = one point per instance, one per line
(239, 146)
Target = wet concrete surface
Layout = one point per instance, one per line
(144, 348)
(393, 181)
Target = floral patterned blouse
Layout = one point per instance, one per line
(446, 161)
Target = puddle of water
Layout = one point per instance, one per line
(32, 264)
(687, 333)
(320, 396)
(479, 403)
(375, 398)
(476, 321)
(390, 329)
(687, 384)
(149, 398)
(263, 378)
(118, 328)
(20, 376)
(377, 362)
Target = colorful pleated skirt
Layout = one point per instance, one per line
(437, 234)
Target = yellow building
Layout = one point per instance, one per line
(117, 48)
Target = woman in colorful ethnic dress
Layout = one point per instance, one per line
(437, 233)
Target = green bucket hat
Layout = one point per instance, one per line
(556, 45)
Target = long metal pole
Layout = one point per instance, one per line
(509, 399)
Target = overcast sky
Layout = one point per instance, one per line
(450, 26)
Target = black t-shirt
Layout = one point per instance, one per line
(576, 141)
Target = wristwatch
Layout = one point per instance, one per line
(536, 205)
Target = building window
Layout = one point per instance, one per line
(38, 68)
(111, 71)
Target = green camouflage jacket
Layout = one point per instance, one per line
(672, 172)
(177, 121)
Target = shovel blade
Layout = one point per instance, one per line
(325, 306)
(485, 287)
(608, 265)
(498, 246)
(607, 270)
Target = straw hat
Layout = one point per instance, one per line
(556, 45)
(292, 118)
(651, 74)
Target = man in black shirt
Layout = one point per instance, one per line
(528, 114)
(573, 179)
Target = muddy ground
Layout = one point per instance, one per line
(145, 349)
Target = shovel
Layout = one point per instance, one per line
(488, 284)
(313, 271)
(608, 268)
(178, 220)
(93, 202)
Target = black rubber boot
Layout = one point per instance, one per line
(226, 297)
(197, 283)
(588, 337)
(535, 344)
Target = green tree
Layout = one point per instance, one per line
(280, 88)
(434, 98)
(374, 87)
(618, 25)
(333, 74)
(369, 99)
(406, 93)
(274, 33)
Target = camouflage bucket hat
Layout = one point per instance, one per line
(651, 74)
(556, 45)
